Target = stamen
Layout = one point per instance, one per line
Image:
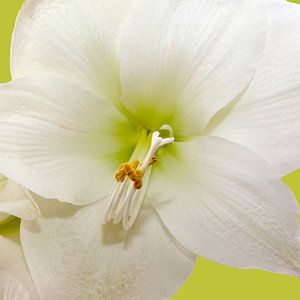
(153, 160)
(127, 195)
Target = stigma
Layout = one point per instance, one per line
(131, 179)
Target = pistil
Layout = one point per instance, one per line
(131, 180)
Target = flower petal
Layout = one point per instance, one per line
(266, 119)
(15, 279)
(16, 200)
(3, 217)
(222, 201)
(181, 61)
(72, 256)
(61, 141)
(73, 39)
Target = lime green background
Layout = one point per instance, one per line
(209, 281)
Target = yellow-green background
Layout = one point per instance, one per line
(209, 281)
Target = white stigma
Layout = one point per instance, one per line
(126, 199)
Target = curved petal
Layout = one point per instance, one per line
(72, 256)
(3, 217)
(266, 119)
(61, 141)
(181, 61)
(15, 279)
(16, 200)
(224, 202)
(73, 39)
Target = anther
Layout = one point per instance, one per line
(121, 173)
(153, 160)
(130, 170)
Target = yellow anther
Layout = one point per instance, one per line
(130, 170)
(121, 173)
(153, 160)
(138, 184)
(139, 174)
(135, 163)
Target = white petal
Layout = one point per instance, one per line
(16, 200)
(15, 279)
(266, 119)
(72, 256)
(3, 217)
(181, 61)
(61, 141)
(224, 202)
(74, 39)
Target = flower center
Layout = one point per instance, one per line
(131, 180)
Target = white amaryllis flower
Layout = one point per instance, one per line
(209, 88)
